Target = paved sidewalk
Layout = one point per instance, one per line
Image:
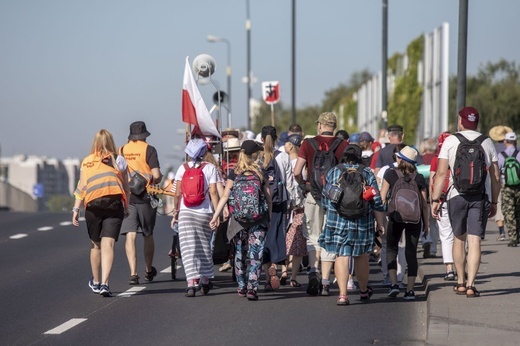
(491, 319)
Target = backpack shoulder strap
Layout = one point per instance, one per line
(515, 154)
(461, 137)
(314, 144)
(505, 156)
(481, 138)
(186, 166)
(335, 144)
(399, 173)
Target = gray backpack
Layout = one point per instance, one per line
(405, 204)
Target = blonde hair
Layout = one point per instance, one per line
(248, 163)
(104, 145)
(268, 150)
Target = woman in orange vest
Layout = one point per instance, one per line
(103, 189)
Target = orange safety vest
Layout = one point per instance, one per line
(98, 180)
(135, 156)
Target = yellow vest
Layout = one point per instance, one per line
(135, 156)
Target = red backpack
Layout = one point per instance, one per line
(192, 185)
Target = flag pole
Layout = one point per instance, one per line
(272, 114)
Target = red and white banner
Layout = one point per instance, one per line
(271, 92)
(194, 110)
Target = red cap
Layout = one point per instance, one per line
(469, 118)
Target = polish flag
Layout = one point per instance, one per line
(194, 110)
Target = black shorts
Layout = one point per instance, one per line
(104, 223)
(469, 214)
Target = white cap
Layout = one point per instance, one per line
(510, 136)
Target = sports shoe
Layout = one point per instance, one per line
(150, 275)
(313, 288)
(251, 295)
(325, 290)
(105, 291)
(224, 267)
(134, 280)
(501, 237)
(351, 285)
(386, 282)
(409, 295)
(190, 292)
(426, 252)
(450, 276)
(96, 287)
(394, 291)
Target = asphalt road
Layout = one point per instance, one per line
(45, 300)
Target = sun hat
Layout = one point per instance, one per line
(138, 131)
(232, 144)
(408, 154)
(196, 148)
(498, 133)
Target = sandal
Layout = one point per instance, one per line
(294, 283)
(457, 289)
(273, 278)
(365, 296)
(283, 278)
(343, 300)
(472, 292)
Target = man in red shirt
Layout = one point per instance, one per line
(314, 212)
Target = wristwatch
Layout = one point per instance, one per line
(75, 209)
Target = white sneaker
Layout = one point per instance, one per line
(351, 285)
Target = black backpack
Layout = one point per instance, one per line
(470, 170)
(405, 204)
(273, 175)
(323, 160)
(352, 205)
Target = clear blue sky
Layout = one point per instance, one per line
(69, 68)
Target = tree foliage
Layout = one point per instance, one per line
(404, 106)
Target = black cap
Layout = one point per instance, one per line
(250, 147)
(295, 139)
(395, 128)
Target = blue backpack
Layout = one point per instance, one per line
(273, 175)
(247, 202)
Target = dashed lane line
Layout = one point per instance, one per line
(130, 292)
(66, 326)
(65, 223)
(18, 236)
(45, 228)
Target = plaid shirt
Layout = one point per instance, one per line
(338, 231)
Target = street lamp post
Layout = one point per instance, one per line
(249, 72)
(211, 38)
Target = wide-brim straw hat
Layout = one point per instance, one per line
(498, 133)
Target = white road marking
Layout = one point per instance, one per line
(45, 228)
(166, 270)
(65, 223)
(130, 292)
(66, 326)
(82, 218)
(18, 236)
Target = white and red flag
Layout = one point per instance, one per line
(194, 110)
